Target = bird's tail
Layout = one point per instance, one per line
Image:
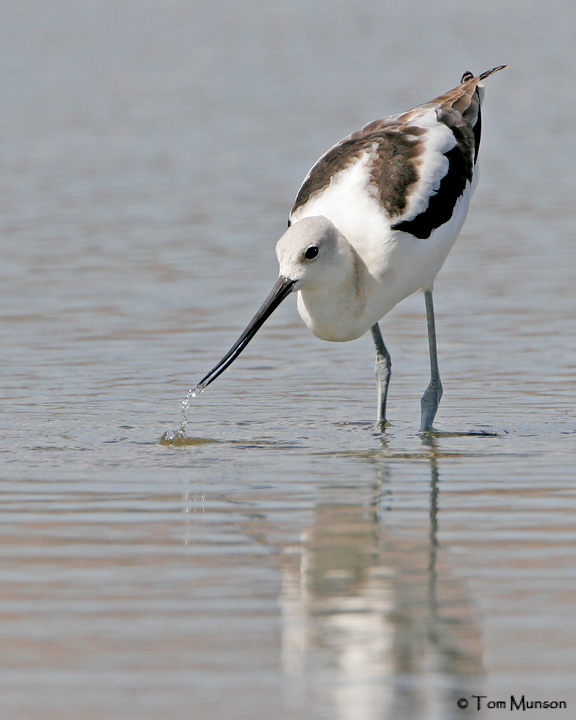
(470, 75)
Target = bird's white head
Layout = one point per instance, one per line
(330, 276)
(313, 253)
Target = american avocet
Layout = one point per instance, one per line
(373, 223)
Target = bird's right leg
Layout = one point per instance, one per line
(383, 373)
(431, 398)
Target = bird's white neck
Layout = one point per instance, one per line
(342, 309)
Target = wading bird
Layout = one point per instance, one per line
(373, 222)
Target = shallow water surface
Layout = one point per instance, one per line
(288, 561)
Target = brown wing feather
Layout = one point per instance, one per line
(396, 139)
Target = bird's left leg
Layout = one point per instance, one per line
(431, 398)
(383, 373)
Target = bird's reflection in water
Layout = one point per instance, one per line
(374, 626)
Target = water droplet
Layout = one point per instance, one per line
(185, 404)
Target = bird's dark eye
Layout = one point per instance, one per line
(311, 252)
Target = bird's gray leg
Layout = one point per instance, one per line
(383, 373)
(431, 398)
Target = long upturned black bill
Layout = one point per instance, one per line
(280, 291)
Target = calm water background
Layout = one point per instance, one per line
(293, 564)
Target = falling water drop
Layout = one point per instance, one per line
(192, 393)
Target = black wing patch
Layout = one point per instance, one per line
(452, 186)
